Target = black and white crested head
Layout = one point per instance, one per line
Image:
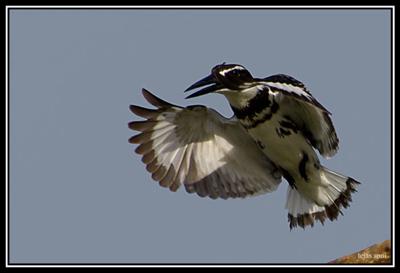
(223, 78)
(232, 76)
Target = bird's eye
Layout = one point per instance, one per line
(236, 73)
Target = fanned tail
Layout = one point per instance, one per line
(334, 193)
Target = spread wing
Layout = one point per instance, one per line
(297, 103)
(196, 146)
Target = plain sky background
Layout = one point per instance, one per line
(78, 192)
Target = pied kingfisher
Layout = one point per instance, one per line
(276, 126)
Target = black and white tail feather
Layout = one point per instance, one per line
(335, 188)
(216, 157)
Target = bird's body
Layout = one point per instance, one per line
(284, 146)
(279, 138)
(275, 130)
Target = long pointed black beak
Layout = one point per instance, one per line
(203, 82)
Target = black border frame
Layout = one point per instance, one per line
(183, 8)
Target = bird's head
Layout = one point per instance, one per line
(224, 78)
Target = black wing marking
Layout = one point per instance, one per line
(297, 104)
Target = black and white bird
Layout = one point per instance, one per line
(275, 131)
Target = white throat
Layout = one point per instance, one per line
(239, 99)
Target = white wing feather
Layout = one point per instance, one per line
(196, 146)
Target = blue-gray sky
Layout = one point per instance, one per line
(78, 192)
